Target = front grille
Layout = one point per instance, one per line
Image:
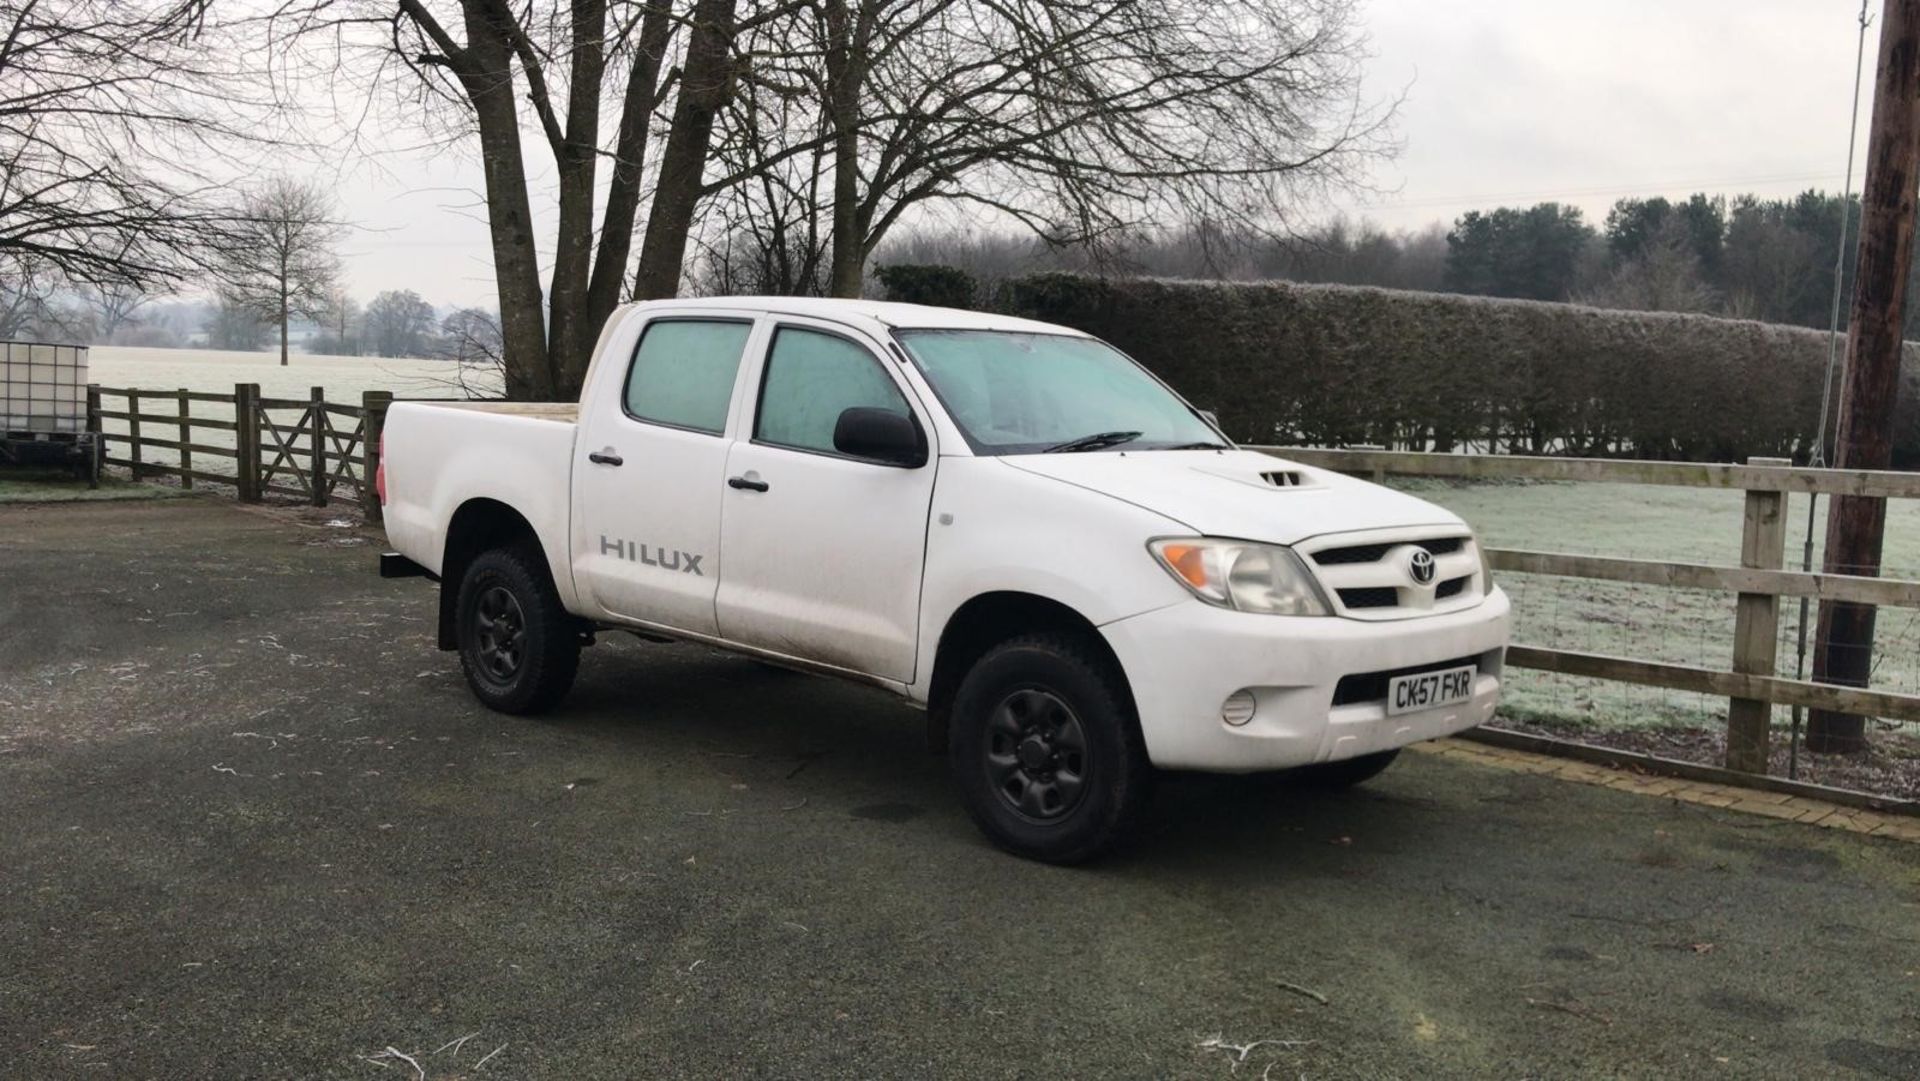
(1370, 597)
(1373, 553)
(1372, 686)
(1452, 587)
(1358, 553)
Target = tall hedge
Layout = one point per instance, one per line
(1286, 362)
(935, 284)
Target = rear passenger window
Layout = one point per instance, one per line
(682, 374)
(811, 378)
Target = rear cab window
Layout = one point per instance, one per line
(683, 372)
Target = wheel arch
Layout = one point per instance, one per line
(988, 619)
(479, 525)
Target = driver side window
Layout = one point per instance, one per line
(811, 378)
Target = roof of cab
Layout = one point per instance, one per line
(882, 314)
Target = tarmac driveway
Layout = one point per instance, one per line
(254, 827)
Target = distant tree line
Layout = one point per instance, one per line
(395, 323)
(1742, 256)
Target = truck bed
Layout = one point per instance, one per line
(439, 455)
(558, 412)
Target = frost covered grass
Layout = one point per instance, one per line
(59, 486)
(216, 371)
(1652, 623)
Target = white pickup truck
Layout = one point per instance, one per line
(1008, 523)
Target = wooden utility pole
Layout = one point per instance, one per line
(1843, 650)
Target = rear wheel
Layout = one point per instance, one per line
(518, 645)
(1046, 751)
(1345, 773)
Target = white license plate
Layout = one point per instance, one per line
(1430, 690)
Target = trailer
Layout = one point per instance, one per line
(43, 409)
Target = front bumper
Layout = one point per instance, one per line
(1183, 661)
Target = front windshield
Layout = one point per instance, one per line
(1019, 393)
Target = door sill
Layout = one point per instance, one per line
(785, 660)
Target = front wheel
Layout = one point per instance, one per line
(1046, 751)
(518, 645)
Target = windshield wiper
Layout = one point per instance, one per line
(1202, 445)
(1096, 441)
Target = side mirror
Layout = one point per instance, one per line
(1212, 418)
(880, 435)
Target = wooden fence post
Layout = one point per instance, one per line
(373, 406)
(246, 431)
(99, 436)
(317, 467)
(186, 437)
(133, 432)
(1756, 624)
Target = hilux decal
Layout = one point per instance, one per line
(652, 556)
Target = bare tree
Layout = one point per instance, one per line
(114, 305)
(31, 308)
(1665, 276)
(276, 253)
(233, 323)
(1081, 121)
(104, 107)
(341, 320)
(591, 78)
(470, 337)
(397, 323)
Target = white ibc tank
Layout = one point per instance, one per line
(43, 388)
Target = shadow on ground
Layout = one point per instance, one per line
(256, 828)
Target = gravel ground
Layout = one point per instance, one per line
(257, 829)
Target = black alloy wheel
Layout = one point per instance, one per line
(1046, 750)
(1037, 755)
(519, 647)
(501, 629)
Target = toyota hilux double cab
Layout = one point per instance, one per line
(1007, 523)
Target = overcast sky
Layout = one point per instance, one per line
(1507, 102)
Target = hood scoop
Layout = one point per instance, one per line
(1259, 477)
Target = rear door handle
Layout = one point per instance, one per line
(746, 483)
(605, 457)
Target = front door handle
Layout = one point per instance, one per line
(605, 457)
(747, 483)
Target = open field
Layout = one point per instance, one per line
(1678, 626)
(258, 828)
(217, 371)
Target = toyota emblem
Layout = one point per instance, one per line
(1421, 566)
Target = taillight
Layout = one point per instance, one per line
(380, 470)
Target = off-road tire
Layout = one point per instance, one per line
(1073, 691)
(1346, 773)
(548, 641)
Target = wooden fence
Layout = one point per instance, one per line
(1751, 681)
(306, 448)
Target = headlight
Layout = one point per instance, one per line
(1243, 576)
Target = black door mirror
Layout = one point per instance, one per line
(880, 435)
